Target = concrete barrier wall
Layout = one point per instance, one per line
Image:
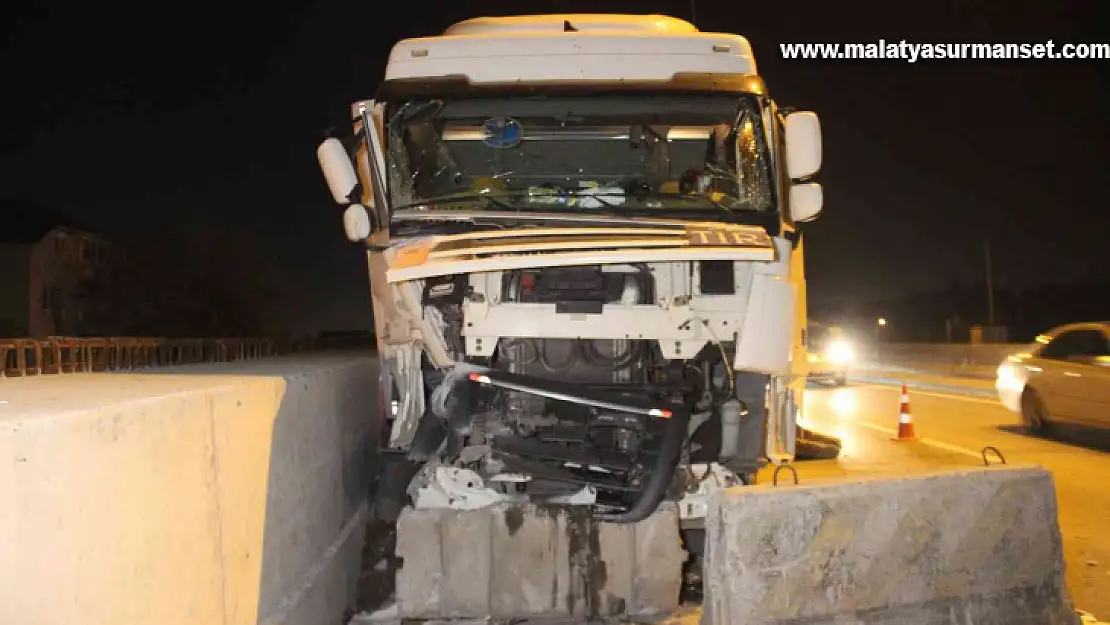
(946, 359)
(211, 494)
(976, 546)
(948, 353)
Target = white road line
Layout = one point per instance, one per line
(927, 441)
(916, 391)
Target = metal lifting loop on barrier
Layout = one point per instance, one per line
(790, 467)
(996, 452)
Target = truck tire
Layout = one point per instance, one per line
(810, 445)
(1034, 415)
(390, 491)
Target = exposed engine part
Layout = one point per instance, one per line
(580, 289)
(731, 411)
(464, 489)
(608, 442)
(563, 445)
(446, 388)
(662, 472)
(702, 481)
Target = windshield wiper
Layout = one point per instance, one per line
(710, 199)
(493, 200)
(509, 201)
(644, 195)
(597, 195)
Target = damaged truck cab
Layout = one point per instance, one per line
(585, 261)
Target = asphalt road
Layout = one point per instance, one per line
(953, 429)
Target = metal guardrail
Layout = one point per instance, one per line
(20, 357)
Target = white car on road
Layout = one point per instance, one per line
(1064, 377)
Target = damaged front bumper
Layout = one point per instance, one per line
(593, 471)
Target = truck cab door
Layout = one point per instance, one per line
(389, 324)
(364, 160)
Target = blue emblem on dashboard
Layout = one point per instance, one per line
(502, 132)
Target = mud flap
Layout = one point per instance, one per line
(967, 546)
(529, 561)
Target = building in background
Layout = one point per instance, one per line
(45, 258)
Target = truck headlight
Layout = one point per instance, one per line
(840, 353)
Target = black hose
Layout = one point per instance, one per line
(674, 437)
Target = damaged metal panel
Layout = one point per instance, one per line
(530, 561)
(451, 254)
(401, 363)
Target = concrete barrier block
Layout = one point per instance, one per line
(231, 493)
(527, 561)
(975, 546)
(323, 434)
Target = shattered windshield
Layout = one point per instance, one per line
(580, 153)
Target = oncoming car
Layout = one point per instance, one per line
(1063, 377)
(829, 353)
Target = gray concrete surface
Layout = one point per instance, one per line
(323, 436)
(540, 562)
(954, 427)
(977, 546)
(231, 494)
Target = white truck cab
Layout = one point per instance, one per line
(585, 261)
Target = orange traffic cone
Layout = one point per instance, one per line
(905, 419)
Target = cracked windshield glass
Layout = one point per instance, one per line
(580, 154)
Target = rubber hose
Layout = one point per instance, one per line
(674, 437)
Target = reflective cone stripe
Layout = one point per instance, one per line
(905, 419)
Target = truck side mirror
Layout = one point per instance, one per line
(357, 224)
(803, 144)
(338, 170)
(806, 201)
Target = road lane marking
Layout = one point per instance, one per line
(927, 441)
(967, 398)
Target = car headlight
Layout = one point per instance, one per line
(839, 352)
(1008, 378)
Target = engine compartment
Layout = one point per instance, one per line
(570, 420)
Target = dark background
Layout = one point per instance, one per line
(132, 118)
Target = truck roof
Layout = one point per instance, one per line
(582, 22)
(570, 48)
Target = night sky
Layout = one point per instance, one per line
(130, 116)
